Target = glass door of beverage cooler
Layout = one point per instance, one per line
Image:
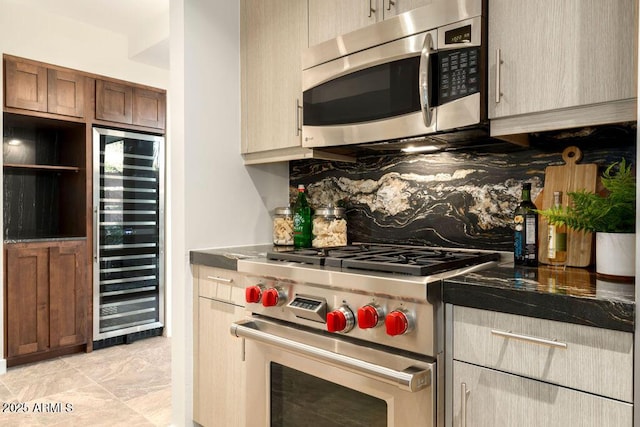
(128, 233)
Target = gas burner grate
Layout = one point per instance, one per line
(414, 261)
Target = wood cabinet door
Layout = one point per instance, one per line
(149, 108)
(557, 54)
(396, 7)
(69, 294)
(27, 296)
(114, 102)
(330, 18)
(273, 34)
(25, 85)
(220, 386)
(487, 398)
(66, 93)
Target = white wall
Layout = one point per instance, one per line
(216, 200)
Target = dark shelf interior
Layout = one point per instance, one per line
(44, 178)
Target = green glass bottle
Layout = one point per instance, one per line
(301, 220)
(525, 224)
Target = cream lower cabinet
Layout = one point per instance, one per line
(219, 380)
(511, 370)
(490, 398)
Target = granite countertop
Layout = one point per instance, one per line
(573, 295)
(227, 258)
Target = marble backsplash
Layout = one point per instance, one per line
(461, 198)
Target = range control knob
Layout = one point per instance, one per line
(340, 320)
(253, 294)
(398, 322)
(273, 297)
(370, 316)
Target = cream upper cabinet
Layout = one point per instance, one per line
(273, 34)
(551, 55)
(331, 18)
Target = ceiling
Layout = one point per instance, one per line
(127, 17)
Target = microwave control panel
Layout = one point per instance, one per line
(459, 73)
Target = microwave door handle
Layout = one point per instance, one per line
(424, 78)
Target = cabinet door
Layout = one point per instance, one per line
(487, 398)
(274, 32)
(66, 93)
(330, 18)
(558, 54)
(69, 291)
(218, 398)
(27, 309)
(149, 108)
(114, 102)
(396, 7)
(25, 85)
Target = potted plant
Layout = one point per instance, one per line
(612, 216)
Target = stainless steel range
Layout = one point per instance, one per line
(348, 336)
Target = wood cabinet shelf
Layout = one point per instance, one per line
(42, 167)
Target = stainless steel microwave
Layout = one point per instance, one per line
(419, 73)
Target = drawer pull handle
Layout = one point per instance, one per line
(220, 279)
(463, 404)
(535, 340)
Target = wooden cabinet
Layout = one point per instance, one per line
(273, 34)
(517, 370)
(33, 86)
(490, 398)
(558, 63)
(330, 18)
(219, 379)
(47, 295)
(122, 103)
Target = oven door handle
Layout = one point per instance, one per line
(411, 379)
(425, 78)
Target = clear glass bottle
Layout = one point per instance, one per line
(283, 226)
(329, 227)
(525, 224)
(557, 237)
(301, 220)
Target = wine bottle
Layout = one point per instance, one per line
(301, 220)
(557, 237)
(525, 221)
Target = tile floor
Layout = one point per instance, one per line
(124, 385)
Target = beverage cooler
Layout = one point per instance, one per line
(128, 203)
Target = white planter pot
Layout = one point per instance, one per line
(616, 254)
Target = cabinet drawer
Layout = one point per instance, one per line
(591, 359)
(491, 398)
(221, 284)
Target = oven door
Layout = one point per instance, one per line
(299, 377)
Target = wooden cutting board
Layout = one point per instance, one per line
(568, 177)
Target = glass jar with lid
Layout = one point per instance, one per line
(283, 226)
(329, 227)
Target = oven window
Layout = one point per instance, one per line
(299, 399)
(379, 92)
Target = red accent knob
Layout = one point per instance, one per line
(270, 297)
(396, 323)
(253, 294)
(336, 321)
(367, 317)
